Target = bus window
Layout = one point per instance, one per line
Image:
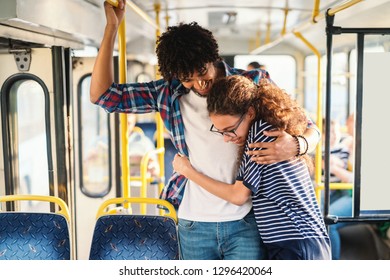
(282, 69)
(339, 86)
(310, 93)
(27, 99)
(94, 145)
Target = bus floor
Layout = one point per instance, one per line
(363, 242)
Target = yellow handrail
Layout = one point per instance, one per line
(344, 6)
(159, 122)
(318, 154)
(63, 207)
(336, 186)
(123, 117)
(316, 10)
(137, 10)
(125, 200)
(144, 174)
(319, 185)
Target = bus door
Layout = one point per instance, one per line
(32, 123)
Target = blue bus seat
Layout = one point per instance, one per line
(135, 237)
(362, 241)
(34, 236)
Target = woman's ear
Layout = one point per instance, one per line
(251, 113)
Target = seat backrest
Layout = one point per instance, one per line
(34, 236)
(134, 237)
(149, 128)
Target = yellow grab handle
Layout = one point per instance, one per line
(137, 10)
(120, 200)
(64, 208)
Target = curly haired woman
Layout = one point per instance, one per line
(288, 217)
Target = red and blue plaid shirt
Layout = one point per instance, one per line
(162, 96)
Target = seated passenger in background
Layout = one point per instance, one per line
(286, 210)
(338, 159)
(139, 145)
(255, 65)
(340, 164)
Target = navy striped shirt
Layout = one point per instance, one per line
(283, 198)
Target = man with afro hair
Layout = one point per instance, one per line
(189, 61)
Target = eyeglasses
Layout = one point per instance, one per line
(230, 133)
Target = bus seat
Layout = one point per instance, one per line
(149, 128)
(362, 242)
(34, 236)
(135, 237)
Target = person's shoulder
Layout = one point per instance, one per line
(256, 74)
(258, 127)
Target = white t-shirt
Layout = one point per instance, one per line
(210, 155)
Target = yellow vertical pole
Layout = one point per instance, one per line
(123, 117)
(159, 128)
(167, 17)
(318, 155)
(283, 32)
(159, 122)
(268, 34)
(258, 38)
(316, 10)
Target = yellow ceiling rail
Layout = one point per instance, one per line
(305, 25)
(344, 6)
(137, 10)
(286, 10)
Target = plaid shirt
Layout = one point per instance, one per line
(162, 96)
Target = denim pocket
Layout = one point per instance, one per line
(249, 219)
(186, 224)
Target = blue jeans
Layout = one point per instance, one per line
(341, 207)
(234, 240)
